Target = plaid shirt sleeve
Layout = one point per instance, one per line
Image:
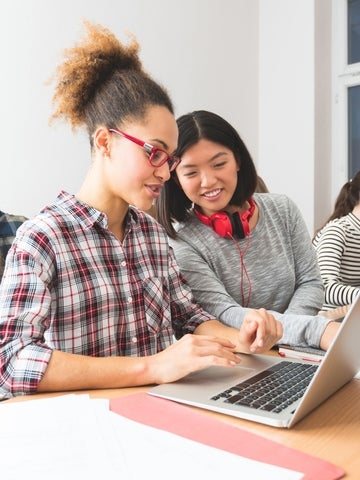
(23, 361)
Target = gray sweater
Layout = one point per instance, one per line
(275, 268)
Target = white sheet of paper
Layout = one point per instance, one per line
(56, 439)
(73, 437)
(170, 456)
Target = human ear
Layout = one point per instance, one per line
(102, 141)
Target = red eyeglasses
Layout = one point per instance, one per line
(157, 156)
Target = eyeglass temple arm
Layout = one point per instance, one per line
(149, 148)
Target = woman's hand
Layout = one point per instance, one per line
(259, 332)
(329, 334)
(189, 354)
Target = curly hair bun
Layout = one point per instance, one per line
(87, 67)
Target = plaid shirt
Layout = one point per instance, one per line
(70, 285)
(8, 226)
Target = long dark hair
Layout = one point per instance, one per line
(173, 205)
(347, 199)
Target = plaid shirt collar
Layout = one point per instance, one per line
(88, 216)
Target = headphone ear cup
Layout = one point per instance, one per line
(222, 224)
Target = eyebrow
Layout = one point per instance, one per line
(165, 145)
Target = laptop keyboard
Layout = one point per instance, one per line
(273, 389)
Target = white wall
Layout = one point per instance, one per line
(203, 51)
(286, 100)
(324, 194)
(265, 65)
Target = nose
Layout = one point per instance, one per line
(207, 179)
(163, 172)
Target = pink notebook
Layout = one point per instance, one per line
(184, 421)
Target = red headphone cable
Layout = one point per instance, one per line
(244, 272)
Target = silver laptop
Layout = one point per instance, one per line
(247, 390)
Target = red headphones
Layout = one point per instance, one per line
(228, 225)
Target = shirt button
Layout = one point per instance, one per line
(134, 339)
(129, 299)
(123, 263)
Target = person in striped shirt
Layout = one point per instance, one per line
(337, 244)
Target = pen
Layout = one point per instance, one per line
(317, 360)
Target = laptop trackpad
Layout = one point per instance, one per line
(218, 376)
(249, 366)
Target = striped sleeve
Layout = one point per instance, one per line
(339, 261)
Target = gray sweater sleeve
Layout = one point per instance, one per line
(304, 330)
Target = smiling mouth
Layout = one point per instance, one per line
(212, 194)
(155, 189)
